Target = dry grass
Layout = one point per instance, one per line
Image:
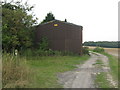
(112, 51)
(14, 72)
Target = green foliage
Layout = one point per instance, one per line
(48, 18)
(17, 31)
(85, 50)
(44, 44)
(107, 44)
(64, 53)
(41, 52)
(28, 52)
(98, 49)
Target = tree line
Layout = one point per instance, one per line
(107, 44)
(18, 27)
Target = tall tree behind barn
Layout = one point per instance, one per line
(62, 36)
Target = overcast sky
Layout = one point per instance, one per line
(99, 18)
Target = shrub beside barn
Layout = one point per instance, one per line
(62, 36)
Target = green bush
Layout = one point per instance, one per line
(44, 45)
(41, 52)
(98, 49)
(85, 50)
(49, 52)
(57, 53)
(67, 53)
(28, 52)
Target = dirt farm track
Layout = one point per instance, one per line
(112, 51)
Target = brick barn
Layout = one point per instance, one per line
(62, 36)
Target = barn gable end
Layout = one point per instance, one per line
(62, 36)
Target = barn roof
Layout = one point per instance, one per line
(62, 22)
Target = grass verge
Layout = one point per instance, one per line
(98, 63)
(113, 63)
(101, 80)
(46, 68)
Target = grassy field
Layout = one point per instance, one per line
(37, 72)
(46, 69)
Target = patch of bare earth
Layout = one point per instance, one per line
(84, 75)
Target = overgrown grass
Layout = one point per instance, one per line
(101, 81)
(101, 78)
(14, 72)
(36, 72)
(47, 68)
(113, 63)
(40, 52)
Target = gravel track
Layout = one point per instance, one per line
(83, 76)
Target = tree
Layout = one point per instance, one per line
(17, 26)
(48, 18)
